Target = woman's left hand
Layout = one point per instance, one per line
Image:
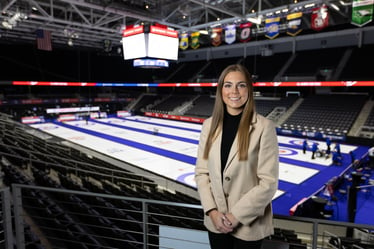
(231, 221)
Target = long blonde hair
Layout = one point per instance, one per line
(218, 113)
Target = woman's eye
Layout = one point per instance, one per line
(238, 86)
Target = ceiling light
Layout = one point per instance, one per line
(334, 6)
(254, 20)
(12, 21)
(345, 3)
(7, 25)
(70, 42)
(310, 5)
(215, 25)
(71, 33)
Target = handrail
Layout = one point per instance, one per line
(151, 215)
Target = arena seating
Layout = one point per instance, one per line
(201, 107)
(260, 67)
(368, 128)
(171, 102)
(313, 63)
(186, 72)
(330, 114)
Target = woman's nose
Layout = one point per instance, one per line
(234, 89)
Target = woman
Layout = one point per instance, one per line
(237, 166)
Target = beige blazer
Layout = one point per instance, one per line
(247, 187)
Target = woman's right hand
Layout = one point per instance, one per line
(220, 221)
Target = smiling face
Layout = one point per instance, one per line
(235, 92)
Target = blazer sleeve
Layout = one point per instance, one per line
(202, 172)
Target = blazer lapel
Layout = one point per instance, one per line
(216, 149)
(233, 152)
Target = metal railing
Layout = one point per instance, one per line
(6, 235)
(76, 219)
(60, 218)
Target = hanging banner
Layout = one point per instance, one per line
(320, 18)
(183, 41)
(294, 23)
(216, 36)
(244, 32)
(195, 40)
(272, 27)
(230, 33)
(362, 12)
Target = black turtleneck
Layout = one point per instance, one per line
(229, 130)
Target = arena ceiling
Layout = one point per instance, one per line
(87, 23)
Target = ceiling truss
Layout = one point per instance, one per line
(87, 23)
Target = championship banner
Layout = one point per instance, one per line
(216, 37)
(320, 18)
(272, 27)
(195, 40)
(362, 12)
(183, 42)
(230, 33)
(244, 32)
(294, 23)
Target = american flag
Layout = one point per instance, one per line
(43, 39)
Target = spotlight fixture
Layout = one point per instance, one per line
(70, 35)
(7, 25)
(70, 42)
(107, 45)
(11, 22)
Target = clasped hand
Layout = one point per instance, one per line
(225, 223)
